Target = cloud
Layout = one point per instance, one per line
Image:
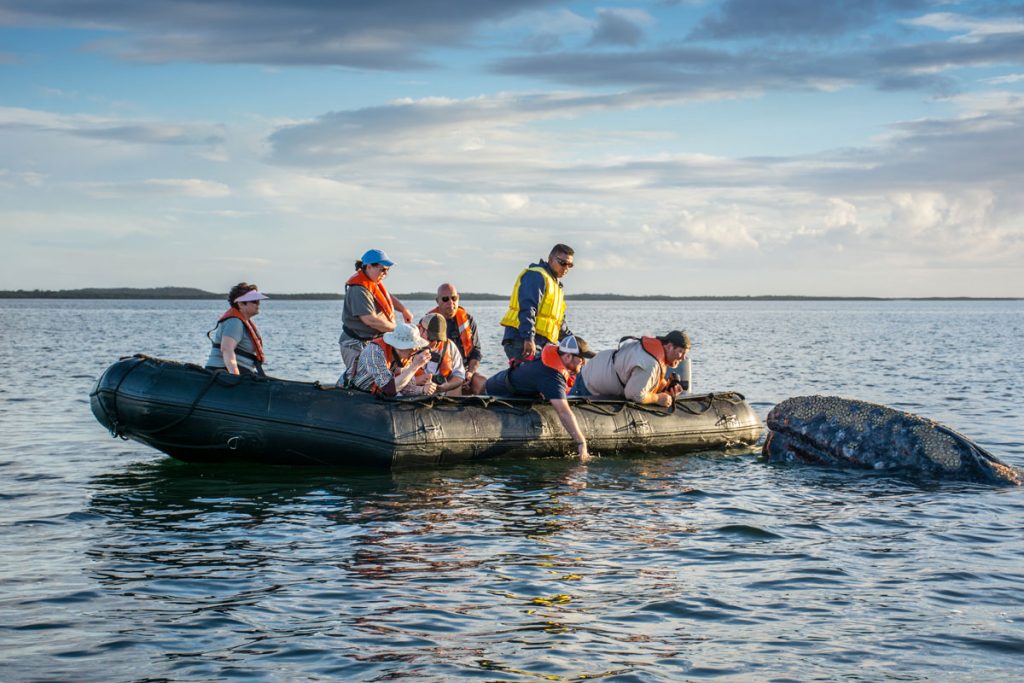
(619, 27)
(101, 128)
(694, 70)
(753, 19)
(1002, 80)
(970, 29)
(977, 149)
(912, 60)
(436, 128)
(389, 35)
(164, 187)
(930, 189)
(699, 72)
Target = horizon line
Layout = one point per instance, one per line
(170, 292)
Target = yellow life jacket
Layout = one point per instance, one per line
(550, 310)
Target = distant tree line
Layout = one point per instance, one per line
(194, 293)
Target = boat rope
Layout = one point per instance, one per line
(115, 423)
(214, 378)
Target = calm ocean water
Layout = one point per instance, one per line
(124, 565)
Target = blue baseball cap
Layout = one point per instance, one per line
(376, 256)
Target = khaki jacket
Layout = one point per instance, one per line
(634, 374)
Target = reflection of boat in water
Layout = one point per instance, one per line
(200, 416)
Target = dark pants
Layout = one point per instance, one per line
(514, 347)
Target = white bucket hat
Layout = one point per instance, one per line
(405, 337)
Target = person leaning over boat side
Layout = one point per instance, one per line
(445, 368)
(636, 371)
(461, 326)
(369, 309)
(550, 376)
(536, 308)
(237, 344)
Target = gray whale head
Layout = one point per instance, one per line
(839, 432)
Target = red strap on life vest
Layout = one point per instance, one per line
(377, 289)
(254, 334)
(550, 358)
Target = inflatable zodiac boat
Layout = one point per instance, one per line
(200, 416)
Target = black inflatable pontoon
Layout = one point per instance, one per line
(196, 415)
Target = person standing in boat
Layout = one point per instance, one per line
(536, 308)
(461, 326)
(637, 370)
(389, 363)
(369, 309)
(237, 344)
(550, 377)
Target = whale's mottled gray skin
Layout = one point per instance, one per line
(839, 432)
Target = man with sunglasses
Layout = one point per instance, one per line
(461, 329)
(536, 309)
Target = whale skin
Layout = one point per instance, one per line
(847, 433)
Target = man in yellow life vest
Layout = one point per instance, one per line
(536, 309)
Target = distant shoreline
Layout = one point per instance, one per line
(158, 293)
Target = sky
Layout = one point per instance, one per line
(681, 147)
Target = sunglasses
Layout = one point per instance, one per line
(446, 299)
(383, 269)
(564, 263)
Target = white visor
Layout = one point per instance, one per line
(252, 295)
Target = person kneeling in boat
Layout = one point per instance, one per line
(445, 368)
(550, 376)
(237, 344)
(388, 364)
(637, 370)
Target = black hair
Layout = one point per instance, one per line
(563, 249)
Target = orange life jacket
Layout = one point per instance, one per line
(465, 333)
(654, 347)
(377, 289)
(550, 358)
(257, 340)
(444, 366)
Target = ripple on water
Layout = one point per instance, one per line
(127, 564)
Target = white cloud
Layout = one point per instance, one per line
(970, 29)
(1003, 80)
(182, 187)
